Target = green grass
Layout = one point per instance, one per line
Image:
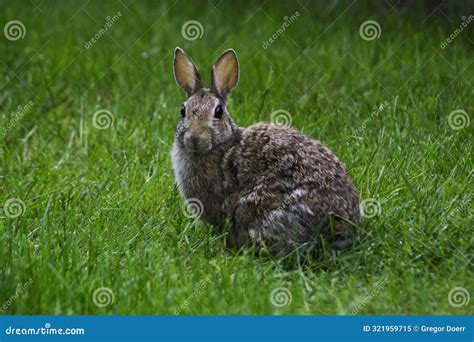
(101, 206)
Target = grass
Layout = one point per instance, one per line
(101, 206)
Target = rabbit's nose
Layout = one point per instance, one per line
(194, 142)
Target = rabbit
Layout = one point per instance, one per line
(273, 185)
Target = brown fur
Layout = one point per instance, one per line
(274, 185)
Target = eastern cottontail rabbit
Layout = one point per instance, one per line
(274, 185)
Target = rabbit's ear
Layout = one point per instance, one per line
(225, 73)
(186, 73)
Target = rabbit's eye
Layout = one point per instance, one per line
(183, 111)
(218, 112)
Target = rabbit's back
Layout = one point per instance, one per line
(287, 188)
